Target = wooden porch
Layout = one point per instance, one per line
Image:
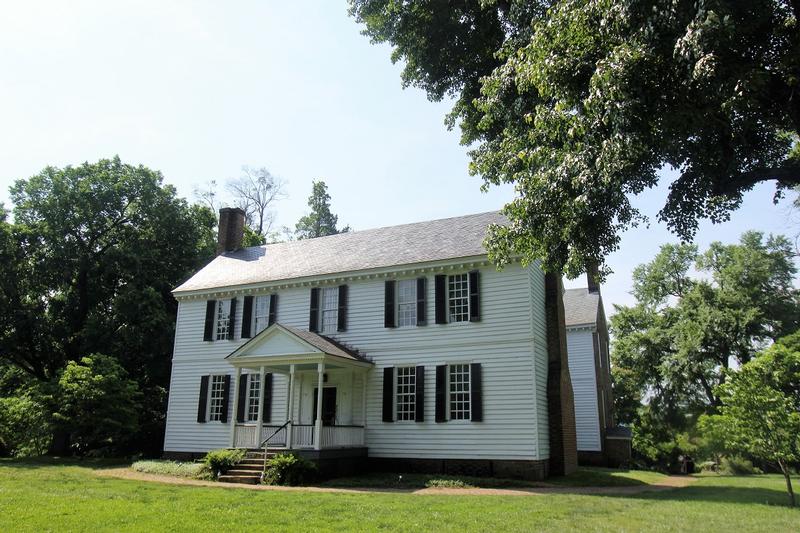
(297, 436)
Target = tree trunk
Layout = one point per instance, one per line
(787, 476)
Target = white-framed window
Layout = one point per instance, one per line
(223, 322)
(329, 315)
(459, 394)
(253, 396)
(458, 297)
(260, 313)
(406, 403)
(407, 302)
(216, 398)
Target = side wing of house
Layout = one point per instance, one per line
(583, 371)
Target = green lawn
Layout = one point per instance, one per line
(44, 496)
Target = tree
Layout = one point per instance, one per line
(89, 265)
(256, 192)
(672, 349)
(320, 222)
(98, 405)
(580, 104)
(760, 410)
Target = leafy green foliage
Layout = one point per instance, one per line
(25, 425)
(737, 466)
(174, 468)
(320, 222)
(580, 104)
(672, 348)
(289, 469)
(223, 459)
(760, 409)
(98, 405)
(89, 265)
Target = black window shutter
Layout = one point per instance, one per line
(313, 317)
(247, 316)
(419, 407)
(388, 304)
(201, 404)
(241, 406)
(267, 392)
(226, 396)
(341, 322)
(211, 308)
(476, 392)
(441, 393)
(273, 309)
(474, 296)
(422, 291)
(440, 288)
(388, 394)
(232, 321)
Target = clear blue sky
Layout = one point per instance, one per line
(196, 89)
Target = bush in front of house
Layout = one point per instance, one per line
(223, 459)
(289, 469)
(174, 468)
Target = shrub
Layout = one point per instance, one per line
(737, 466)
(448, 483)
(220, 460)
(289, 469)
(708, 466)
(25, 428)
(174, 468)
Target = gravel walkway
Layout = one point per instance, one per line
(671, 482)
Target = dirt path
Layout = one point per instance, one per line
(672, 482)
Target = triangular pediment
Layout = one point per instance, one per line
(275, 341)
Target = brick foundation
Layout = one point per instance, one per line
(510, 469)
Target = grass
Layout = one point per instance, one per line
(605, 477)
(68, 496)
(174, 468)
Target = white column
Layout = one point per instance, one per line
(364, 399)
(261, 391)
(318, 422)
(235, 404)
(290, 407)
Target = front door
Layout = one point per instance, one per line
(328, 405)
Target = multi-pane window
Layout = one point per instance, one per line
(261, 314)
(216, 398)
(406, 393)
(253, 396)
(223, 319)
(458, 297)
(407, 302)
(330, 309)
(459, 392)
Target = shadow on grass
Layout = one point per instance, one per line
(94, 463)
(722, 493)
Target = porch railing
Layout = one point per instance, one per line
(247, 436)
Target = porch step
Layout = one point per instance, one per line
(258, 463)
(240, 471)
(244, 479)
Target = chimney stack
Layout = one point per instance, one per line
(231, 229)
(592, 277)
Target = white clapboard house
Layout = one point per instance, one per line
(599, 441)
(400, 348)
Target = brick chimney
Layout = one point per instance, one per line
(592, 276)
(231, 229)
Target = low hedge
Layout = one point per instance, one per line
(174, 468)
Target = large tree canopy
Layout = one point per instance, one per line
(672, 349)
(90, 261)
(581, 104)
(320, 221)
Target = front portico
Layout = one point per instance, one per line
(325, 402)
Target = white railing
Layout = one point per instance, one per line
(246, 436)
(342, 436)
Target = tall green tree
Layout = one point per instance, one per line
(582, 103)
(672, 348)
(760, 412)
(93, 254)
(321, 221)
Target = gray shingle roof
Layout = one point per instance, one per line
(435, 240)
(326, 344)
(580, 307)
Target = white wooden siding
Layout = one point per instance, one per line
(539, 324)
(584, 388)
(514, 391)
